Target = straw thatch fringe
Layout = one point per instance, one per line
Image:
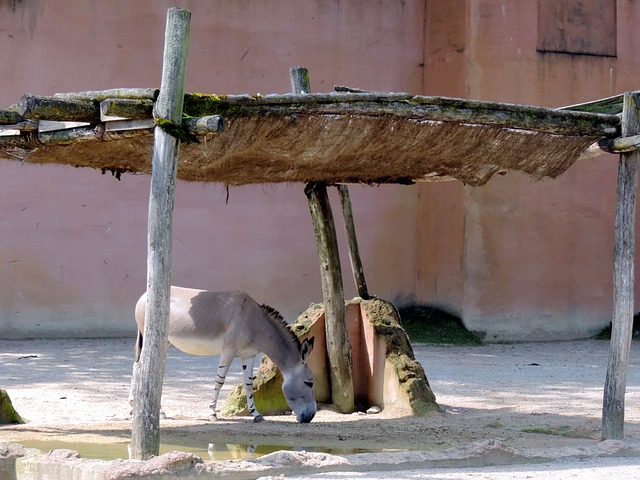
(337, 138)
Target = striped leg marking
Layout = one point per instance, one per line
(223, 367)
(247, 373)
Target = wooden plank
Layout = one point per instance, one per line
(66, 136)
(51, 126)
(623, 278)
(24, 126)
(122, 125)
(149, 374)
(338, 345)
(352, 242)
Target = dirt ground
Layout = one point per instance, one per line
(545, 397)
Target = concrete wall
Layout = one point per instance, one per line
(73, 242)
(525, 259)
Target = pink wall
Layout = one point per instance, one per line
(531, 259)
(517, 258)
(73, 242)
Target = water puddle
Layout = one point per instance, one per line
(211, 452)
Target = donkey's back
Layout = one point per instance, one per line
(201, 322)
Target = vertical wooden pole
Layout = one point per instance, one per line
(623, 278)
(338, 346)
(147, 386)
(299, 80)
(352, 242)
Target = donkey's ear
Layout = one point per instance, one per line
(306, 348)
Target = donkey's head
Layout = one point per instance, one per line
(298, 386)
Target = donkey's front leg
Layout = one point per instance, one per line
(247, 373)
(226, 358)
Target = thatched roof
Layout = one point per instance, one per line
(339, 137)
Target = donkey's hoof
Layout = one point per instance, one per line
(258, 419)
(213, 417)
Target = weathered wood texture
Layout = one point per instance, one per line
(338, 346)
(145, 440)
(49, 108)
(623, 278)
(99, 95)
(620, 144)
(352, 242)
(300, 83)
(205, 125)
(10, 117)
(130, 108)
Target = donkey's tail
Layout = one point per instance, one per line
(138, 345)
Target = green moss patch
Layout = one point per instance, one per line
(7, 412)
(267, 391)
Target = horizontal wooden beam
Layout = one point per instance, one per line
(23, 126)
(10, 117)
(122, 129)
(205, 125)
(130, 108)
(620, 144)
(34, 107)
(421, 108)
(99, 95)
(84, 107)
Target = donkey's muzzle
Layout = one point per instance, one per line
(305, 417)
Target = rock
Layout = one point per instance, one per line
(388, 376)
(169, 465)
(267, 389)
(7, 412)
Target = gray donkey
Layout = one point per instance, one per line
(232, 324)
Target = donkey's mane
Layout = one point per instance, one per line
(277, 319)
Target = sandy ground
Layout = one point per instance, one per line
(541, 399)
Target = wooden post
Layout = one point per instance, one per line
(623, 278)
(352, 242)
(149, 375)
(338, 346)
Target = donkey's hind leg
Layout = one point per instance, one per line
(247, 373)
(226, 358)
